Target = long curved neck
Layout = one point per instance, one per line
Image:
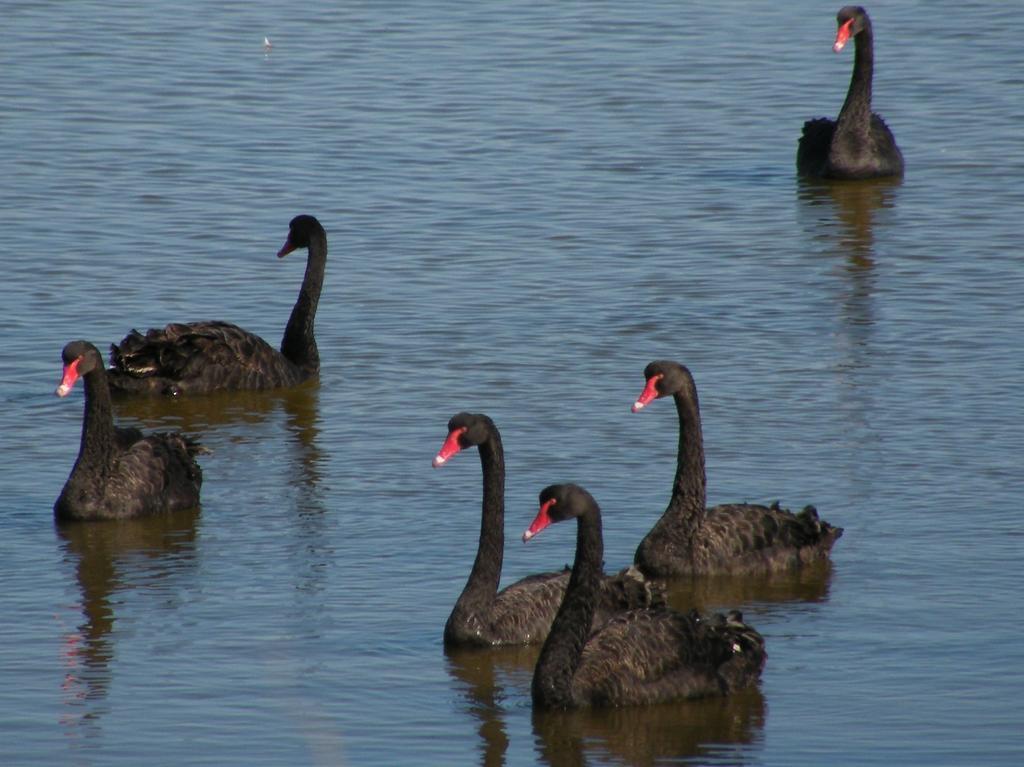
(298, 344)
(855, 116)
(686, 508)
(560, 656)
(482, 584)
(96, 451)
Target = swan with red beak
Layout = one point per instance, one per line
(522, 612)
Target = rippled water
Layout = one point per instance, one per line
(525, 204)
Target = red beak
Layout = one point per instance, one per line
(286, 248)
(541, 521)
(450, 447)
(842, 36)
(67, 381)
(649, 393)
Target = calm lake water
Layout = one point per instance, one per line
(526, 203)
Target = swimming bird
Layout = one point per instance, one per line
(738, 538)
(522, 612)
(200, 357)
(649, 655)
(120, 473)
(858, 144)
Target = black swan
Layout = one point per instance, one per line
(119, 473)
(522, 612)
(858, 144)
(649, 655)
(199, 357)
(729, 539)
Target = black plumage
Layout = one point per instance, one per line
(640, 656)
(858, 144)
(198, 357)
(690, 539)
(120, 473)
(522, 612)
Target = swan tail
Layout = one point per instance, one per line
(813, 147)
(743, 646)
(161, 352)
(817, 529)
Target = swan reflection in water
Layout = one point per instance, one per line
(257, 439)
(843, 216)
(489, 678)
(778, 593)
(483, 675)
(111, 558)
(722, 728)
(853, 208)
(221, 417)
(223, 410)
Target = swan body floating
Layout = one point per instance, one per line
(649, 655)
(858, 144)
(741, 538)
(120, 473)
(200, 357)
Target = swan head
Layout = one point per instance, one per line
(664, 378)
(464, 430)
(301, 230)
(79, 358)
(852, 20)
(559, 503)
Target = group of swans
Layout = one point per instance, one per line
(120, 473)
(608, 639)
